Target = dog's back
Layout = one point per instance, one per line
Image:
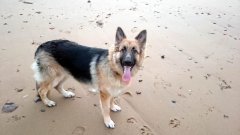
(72, 57)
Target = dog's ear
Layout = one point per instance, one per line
(119, 35)
(142, 38)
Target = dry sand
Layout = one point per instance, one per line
(190, 80)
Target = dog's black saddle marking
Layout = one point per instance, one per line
(73, 57)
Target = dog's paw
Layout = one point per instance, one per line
(68, 94)
(115, 108)
(109, 124)
(50, 103)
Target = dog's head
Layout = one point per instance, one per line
(128, 54)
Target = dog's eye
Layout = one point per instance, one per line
(134, 50)
(124, 49)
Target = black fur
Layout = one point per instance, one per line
(73, 57)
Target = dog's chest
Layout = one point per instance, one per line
(116, 88)
(113, 84)
(115, 92)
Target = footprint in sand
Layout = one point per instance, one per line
(174, 123)
(161, 84)
(131, 120)
(223, 84)
(145, 130)
(79, 131)
(128, 94)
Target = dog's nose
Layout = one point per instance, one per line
(127, 63)
(128, 60)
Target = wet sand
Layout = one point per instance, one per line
(189, 84)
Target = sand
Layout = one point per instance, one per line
(189, 84)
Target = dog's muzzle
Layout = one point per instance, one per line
(127, 64)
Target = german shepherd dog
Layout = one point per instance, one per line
(108, 71)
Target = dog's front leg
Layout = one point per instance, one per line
(105, 100)
(114, 107)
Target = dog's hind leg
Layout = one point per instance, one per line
(37, 98)
(44, 88)
(59, 87)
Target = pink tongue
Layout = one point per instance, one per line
(126, 74)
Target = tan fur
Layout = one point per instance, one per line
(109, 77)
(52, 76)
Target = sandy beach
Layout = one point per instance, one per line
(189, 83)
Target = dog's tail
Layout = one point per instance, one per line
(35, 68)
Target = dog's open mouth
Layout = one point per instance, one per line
(126, 77)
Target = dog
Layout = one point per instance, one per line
(108, 71)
